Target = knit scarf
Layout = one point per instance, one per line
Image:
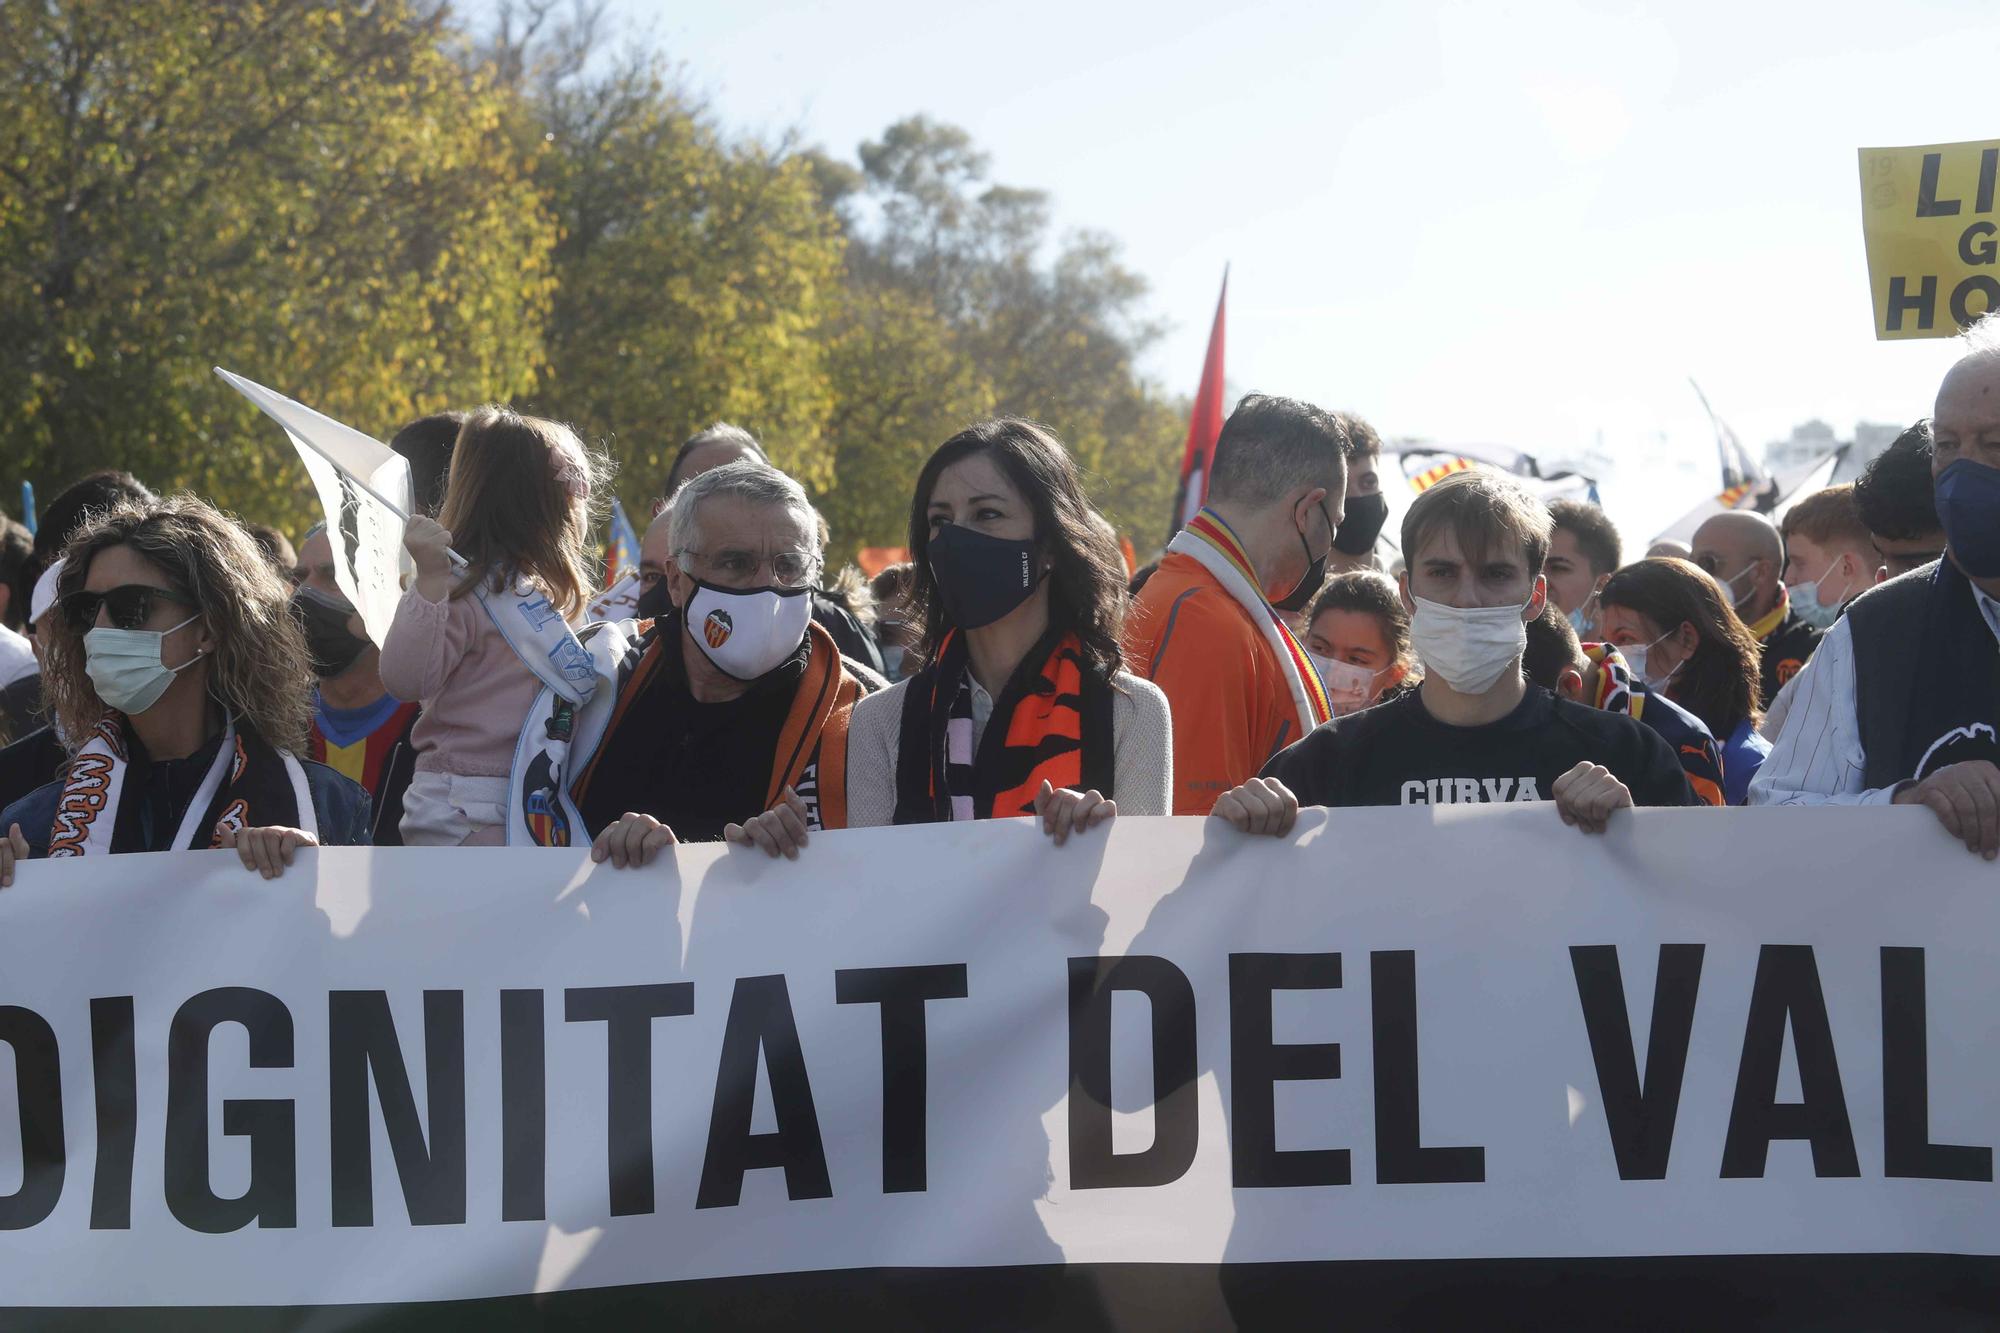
(1618, 691)
(249, 784)
(1214, 544)
(1051, 723)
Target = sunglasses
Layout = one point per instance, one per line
(130, 606)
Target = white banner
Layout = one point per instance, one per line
(365, 489)
(1458, 1036)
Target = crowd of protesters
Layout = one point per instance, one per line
(171, 678)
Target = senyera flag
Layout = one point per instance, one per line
(1204, 425)
(365, 488)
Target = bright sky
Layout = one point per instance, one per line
(1510, 223)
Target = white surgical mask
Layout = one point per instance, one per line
(1471, 647)
(748, 632)
(1349, 688)
(125, 667)
(1635, 657)
(1737, 595)
(1806, 601)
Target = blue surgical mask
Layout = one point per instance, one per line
(1968, 503)
(1808, 606)
(125, 667)
(1584, 620)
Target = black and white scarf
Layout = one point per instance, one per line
(249, 784)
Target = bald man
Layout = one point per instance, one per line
(1901, 704)
(1747, 557)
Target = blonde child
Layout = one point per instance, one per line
(477, 644)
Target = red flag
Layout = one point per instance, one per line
(1204, 425)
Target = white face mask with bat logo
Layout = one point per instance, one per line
(748, 632)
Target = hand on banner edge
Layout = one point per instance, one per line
(1587, 794)
(13, 848)
(1965, 797)
(780, 831)
(1261, 806)
(267, 850)
(633, 841)
(1064, 810)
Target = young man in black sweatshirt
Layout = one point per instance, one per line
(1476, 730)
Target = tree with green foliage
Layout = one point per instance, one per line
(694, 272)
(312, 193)
(1054, 341)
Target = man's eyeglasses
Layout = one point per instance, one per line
(789, 569)
(130, 606)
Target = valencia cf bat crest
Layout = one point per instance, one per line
(717, 628)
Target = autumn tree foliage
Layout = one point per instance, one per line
(383, 212)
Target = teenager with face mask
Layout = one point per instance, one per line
(359, 729)
(1020, 706)
(1674, 625)
(1584, 548)
(731, 704)
(1475, 730)
(1829, 556)
(1359, 640)
(1210, 627)
(181, 681)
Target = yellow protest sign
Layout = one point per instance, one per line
(1928, 215)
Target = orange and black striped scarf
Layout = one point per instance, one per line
(1052, 722)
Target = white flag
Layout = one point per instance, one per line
(366, 491)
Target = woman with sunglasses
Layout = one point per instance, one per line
(180, 679)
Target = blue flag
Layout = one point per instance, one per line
(621, 553)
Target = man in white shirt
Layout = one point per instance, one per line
(1900, 704)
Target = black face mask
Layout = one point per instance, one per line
(1308, 584)
(329, 644)
(981, 578)
(1362, 525)
(655, 601)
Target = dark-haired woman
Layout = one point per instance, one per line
(1021, 706)
(173, 664)
(1674, 625)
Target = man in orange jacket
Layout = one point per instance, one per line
(1208, 629)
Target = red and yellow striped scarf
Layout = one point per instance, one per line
(1209, 527)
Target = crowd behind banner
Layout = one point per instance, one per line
(170, 678)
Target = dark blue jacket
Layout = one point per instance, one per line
(339, 805)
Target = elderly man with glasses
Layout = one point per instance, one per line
(731, 704)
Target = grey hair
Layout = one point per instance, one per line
(1982, 337)
(751, 482)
